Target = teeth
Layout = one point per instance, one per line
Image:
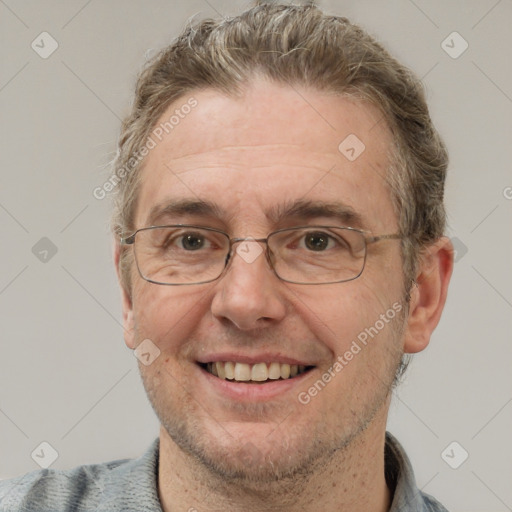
(242, 372)
(229, 370)
(221, 372)
(274, 371)
(259, 372)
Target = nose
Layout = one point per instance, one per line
(249, 294)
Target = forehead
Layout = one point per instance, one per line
(273, 146)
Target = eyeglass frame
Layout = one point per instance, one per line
(130, 240)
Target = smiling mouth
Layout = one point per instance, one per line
(258, 373)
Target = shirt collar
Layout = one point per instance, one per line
(400, 477)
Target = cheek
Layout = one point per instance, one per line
(356, 311)
(167, 315)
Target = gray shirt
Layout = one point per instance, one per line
(131, 486)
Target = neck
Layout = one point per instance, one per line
(351, 479)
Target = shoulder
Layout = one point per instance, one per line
(431, 504)
(50, 489)
(127, 485)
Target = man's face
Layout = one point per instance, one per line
(250, 157)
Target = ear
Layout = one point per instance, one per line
(127, 304)
(428, 295)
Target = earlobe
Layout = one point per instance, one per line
(128, 324)
(428, 294)
(128, 319)
(126, 301)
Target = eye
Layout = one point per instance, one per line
(192, 242)
(189, 241)
(318, 241)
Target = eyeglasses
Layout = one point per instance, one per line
(185, 255)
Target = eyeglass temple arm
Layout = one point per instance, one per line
(129, 240)
(372, 239)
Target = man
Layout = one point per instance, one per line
(279, 243)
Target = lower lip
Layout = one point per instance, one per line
(253, 392)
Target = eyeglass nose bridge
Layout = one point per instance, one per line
(233, 241)
(248, 254)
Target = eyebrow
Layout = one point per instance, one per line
(302, 209)
(299, 209)
(183, 207)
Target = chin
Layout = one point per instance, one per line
(250, 453)
(253, 459)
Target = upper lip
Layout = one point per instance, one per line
(263, 357)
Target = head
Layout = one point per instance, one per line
(261, 104)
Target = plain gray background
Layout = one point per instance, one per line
(67, 377)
